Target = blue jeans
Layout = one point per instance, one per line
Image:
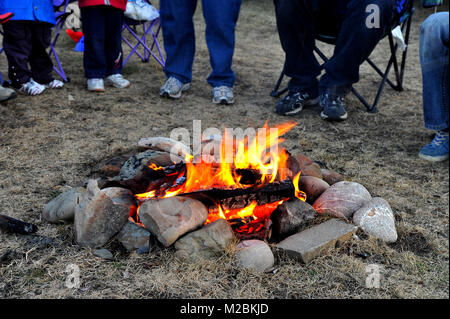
(434, 36)
(179, 38)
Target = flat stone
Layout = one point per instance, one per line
(290, 216)
(377, 219)
(342, 200)
(170, 218)
(134, 237)
(103, 253)
(208, 242)
(317, 240)
(100, 214)
(62, 207)
(254, 254)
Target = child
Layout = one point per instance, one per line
(6, 93)
(102, 28)
(26, 37)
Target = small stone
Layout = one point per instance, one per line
(133, 236)
(254, 254)
(342, 199)
(170, 218)
(312, 169)
(112, 166)
(296, 162)
(313, 187)
(62, 207)
(377, 219)
(317, 240)
(103, 253)
(290, 216)
(331, 177)
(208, 242)
(100, 214)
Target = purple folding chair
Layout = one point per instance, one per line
(61, 17)
(141, 46)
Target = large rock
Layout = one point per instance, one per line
(377, 219)
(331, 177)
(62, 207)
(100, 214)
(208, 242)
(290, 216)
(317, 240)
(342, 199)
(254, 254)
(170, 218)
(133, 236)
(137, 175)
(312, 186)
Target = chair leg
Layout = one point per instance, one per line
(276, 90)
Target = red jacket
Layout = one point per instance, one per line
(120, 4)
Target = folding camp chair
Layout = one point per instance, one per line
(405, 24)
(141, 46)
(61, 17)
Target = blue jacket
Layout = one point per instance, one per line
(30, 10)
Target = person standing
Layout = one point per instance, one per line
(434, 42)
(179, 43)
(6, 93)
(102, 28)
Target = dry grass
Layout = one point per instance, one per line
(48, 141)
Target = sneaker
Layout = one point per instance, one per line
(333, 107)
(55, 84)
(95, 85)
(294, 102)
(6, 94)
(31, 88)
(223, 95)
(437, 150)
(118, 81)
(173, 88)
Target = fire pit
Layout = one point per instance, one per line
(231, 189)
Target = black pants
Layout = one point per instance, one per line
(298, 22)
(25, 44)
(102, 28)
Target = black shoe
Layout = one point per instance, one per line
(333, 107)
(294, 102)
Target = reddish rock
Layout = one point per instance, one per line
(290, 216)
(312, 169)
(331, 177)
(313, 187)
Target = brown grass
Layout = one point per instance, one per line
(48, 142)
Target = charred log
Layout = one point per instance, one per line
(15, 226)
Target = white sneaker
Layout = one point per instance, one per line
(55, 84)
(95, 85)
(118, 81)
(32, 88)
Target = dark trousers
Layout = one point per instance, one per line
(179, 38)
(25, 44)
(102, 28)
(298, 22)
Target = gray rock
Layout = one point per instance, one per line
(254, 254)
(170, 218)
(207, 242)
(103, 253)
(377, 219)
(317, 240)
(342, 199)
(100, 214)
(134, 237)
(62, 207)
(290, 216)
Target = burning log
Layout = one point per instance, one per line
(15, 226)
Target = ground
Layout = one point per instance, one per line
(55, 139)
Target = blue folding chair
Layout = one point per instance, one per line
(405, 13)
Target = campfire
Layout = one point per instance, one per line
(243, 184)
